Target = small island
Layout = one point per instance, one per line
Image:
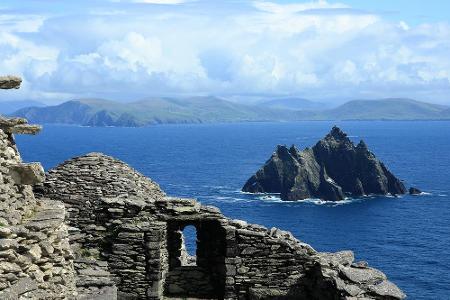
(331, 170)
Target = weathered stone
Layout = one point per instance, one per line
(35, 252)
(27, 223)
(387, 289)
(27, 174)
(6, 244)
(10, 82)
(18, 126)
(24, 129)
(359, 275)
(332, 169)
(344, 258)
(21, 287)
(8, 267)
(4, 232)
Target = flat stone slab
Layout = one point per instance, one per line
(93, 274)
(18, 126)
(10, 122)
(22, 286)
(27, 174)
(363, 275)
(345, 258)
(387, 289)
(10, 82)
(25, 129)
(104, 293)
(6, 244)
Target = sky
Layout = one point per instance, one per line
(132, 49)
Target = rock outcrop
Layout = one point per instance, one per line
(331, 170)
(10, 82)
(36, 261)
(414, 191)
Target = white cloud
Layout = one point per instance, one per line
(20, 54)
(316, 49)
(403, 25)
(21, 23)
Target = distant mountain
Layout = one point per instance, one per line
(98, 112)
(293, 104)
(385, 109)
(446, 114)
(7, 107)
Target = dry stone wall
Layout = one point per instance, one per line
(16, 200)
(137, 233)
(35, 256)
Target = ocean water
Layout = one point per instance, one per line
(408, 238)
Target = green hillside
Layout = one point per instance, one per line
(98, 112)
(384, 109)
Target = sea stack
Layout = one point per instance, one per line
(331, 170)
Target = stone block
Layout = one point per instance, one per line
(10, 82)
(27, 174)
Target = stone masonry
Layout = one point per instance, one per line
(35, 256)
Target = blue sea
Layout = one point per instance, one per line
(408, 238)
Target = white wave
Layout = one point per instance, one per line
(238, 192)
(424, 194)
(221, 198)
(259, 194)
(216, 186)
(331, 203)
(313, 201)
(275, 198)
(228, 199)
(271, 198)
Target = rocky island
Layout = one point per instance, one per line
(94, 228)
(331, 170)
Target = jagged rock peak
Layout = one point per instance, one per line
(337, 134)
(362, 145)
(282, 151)
(331, 170)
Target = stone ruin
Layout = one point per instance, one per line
(36, 261)
(94, 228)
